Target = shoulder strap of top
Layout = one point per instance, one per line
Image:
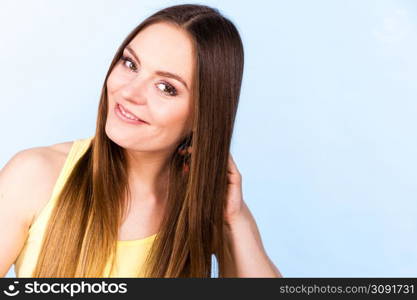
(78, 148)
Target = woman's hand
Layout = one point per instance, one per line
(249, 256)
(236, 208)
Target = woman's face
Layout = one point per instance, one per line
(140, 83)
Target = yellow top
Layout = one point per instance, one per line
(130, 255)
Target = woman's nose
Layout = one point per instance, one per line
(135, 90)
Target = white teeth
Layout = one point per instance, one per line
(127, 115)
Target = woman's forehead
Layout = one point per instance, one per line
(165, 47)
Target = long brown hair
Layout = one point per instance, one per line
(82, 231)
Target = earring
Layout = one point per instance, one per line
(185, 150)
(182, 149)
(185, 168)
(185, 147)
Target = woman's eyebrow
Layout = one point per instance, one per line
(161, 73)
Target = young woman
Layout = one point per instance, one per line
(155, 192)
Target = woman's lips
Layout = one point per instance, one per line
(127, 116)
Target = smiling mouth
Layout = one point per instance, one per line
(126, 115)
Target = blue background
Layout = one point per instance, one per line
(325, 136)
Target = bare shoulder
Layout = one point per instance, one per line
(26, 184)
(30, 175)
(38, 161)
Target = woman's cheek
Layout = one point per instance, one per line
(110, 84)
(115, 81)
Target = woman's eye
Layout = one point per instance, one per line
(167, 88)
(163, 86)
(131, 65)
